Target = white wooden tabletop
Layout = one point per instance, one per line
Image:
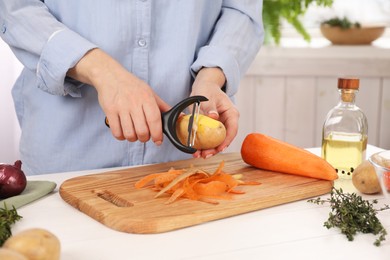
(290, 231)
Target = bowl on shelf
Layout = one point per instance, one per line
(352, 36)
(381, 162)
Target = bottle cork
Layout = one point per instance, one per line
(348, 83)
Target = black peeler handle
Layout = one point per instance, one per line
(169, 120)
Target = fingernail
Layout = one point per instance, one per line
(158, 143)
(208, 156)
(213, 112)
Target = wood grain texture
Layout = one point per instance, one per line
(111, 198)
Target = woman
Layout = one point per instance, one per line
(128, 61)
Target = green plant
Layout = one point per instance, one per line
(8, 217)
(275, 11)
(343, 23)
(352, 214)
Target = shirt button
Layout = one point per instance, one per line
(4, 28)
(142, 42)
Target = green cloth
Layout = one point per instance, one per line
(33, 191)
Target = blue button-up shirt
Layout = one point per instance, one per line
(163, 42)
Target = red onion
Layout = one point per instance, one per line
(12, 180)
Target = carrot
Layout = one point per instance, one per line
(188, 187)
(194, 184)
(141, 183)
(211, 188)
(176, 181)
(177, 194)
(169, 176)
(265, 152)
(158, 177)
(223, 177)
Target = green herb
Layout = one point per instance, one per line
(8, 217)
(344, 23)
(275, 11)
(352, 214)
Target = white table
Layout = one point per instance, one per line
(289, 231)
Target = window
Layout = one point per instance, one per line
(366, 12)
(363, 11)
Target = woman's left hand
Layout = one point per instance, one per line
(208, 83)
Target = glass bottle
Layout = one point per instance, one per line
(344, 135)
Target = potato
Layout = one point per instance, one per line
(8, 254)
(35, 244)
(364, 178)
(209, 132)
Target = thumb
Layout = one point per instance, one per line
(209, 110)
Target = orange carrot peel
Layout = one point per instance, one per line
(195, 184)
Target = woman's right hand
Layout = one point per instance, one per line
(132, 108)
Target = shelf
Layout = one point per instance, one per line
(320, 58)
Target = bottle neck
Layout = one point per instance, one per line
(347, 96)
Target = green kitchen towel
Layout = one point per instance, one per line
(33, 191)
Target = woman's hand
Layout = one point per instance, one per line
(132, 108)
(208, 83)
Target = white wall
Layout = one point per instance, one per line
(287, 92)
(9, 127)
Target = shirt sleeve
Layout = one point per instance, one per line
(42, 44)
(235, 41)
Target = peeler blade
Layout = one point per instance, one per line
(193, 125)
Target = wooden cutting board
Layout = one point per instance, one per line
(111, 198)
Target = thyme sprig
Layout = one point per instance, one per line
(8, 217)
(352, 214)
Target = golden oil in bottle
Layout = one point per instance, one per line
(344, 152)
(345, 131)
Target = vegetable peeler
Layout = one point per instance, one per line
(169, 120)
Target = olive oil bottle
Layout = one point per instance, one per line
(344, 135)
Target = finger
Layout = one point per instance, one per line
(209, 108)
(128, 128)
(208, 153)
(231, 125)
(115, 127)
(153, 120)
(197, 154)
(140, 125)
(213, 114)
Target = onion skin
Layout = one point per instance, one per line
(12, 180)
